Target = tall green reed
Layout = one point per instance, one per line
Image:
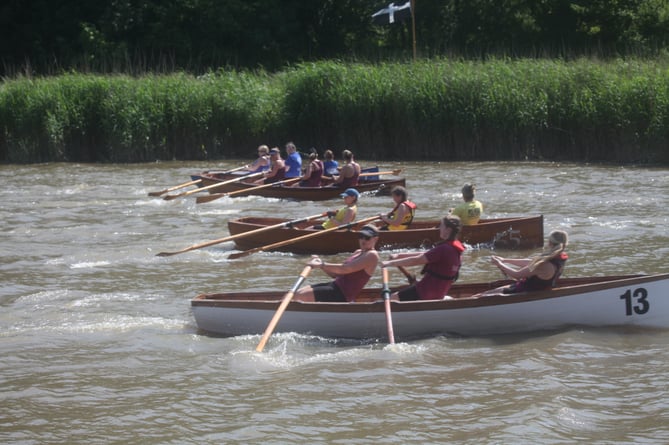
(501, 109)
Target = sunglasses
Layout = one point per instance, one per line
(365, 237)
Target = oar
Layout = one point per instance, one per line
(282, 307)
(215, 196)
(194, 182)
(212, 186)
(386, 301)
(316, 233)
(241, 235)
(176, 187)
(392, 172)
(225, 172)
(411, 278)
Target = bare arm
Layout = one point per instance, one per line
(366, 260)
(349, 216)
(544, 270)
(401, 212)
(275, 168)
(411, 259)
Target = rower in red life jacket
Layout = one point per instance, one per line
(537, 273)
(402, 214)
(441, 265)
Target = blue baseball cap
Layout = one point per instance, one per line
(350, 192)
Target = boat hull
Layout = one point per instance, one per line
(641, 301)
(524, 233)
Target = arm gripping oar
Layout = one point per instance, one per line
(242, 235)
(282, 307)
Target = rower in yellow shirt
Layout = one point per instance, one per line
(470, 210)
(345, 214)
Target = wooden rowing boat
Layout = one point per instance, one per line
(633, 300)
(211, 177)
(521, 232)
(383, 186)
(365, 184)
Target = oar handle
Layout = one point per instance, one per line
(234, 256)
(411, 278)
(386, 301)
(282, 307)
(241, 235)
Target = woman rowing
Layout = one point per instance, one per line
(350, 277)
(403, 212)
(350, 172)
(537, 273)
(277, 169)
(262, 163)
(441, 265)
(345, 214)
(313, 173)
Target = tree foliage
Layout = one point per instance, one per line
(51, 36)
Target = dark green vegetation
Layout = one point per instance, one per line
(139, 36)
(614, 111)
(202, 79)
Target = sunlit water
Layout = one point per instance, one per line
(98, 344)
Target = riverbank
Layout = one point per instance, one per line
(583, 111)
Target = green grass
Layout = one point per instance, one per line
(584, 110)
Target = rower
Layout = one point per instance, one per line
(402, 214)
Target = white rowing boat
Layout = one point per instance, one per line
(632, 300)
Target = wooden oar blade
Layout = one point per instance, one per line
(243, 253)
(243, 234)
(209, 198)
(250, 190)
(212, 186)
(176, 187)
(282, 307)
(386, 301)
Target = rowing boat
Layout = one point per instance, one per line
(521, 232)
(282, 191)
(631, 300)
(209, 178)
(367, 183)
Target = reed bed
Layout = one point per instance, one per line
(584, 111)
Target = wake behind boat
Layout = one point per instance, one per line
(520, 232)
(613, 301)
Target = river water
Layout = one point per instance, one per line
(98, 344)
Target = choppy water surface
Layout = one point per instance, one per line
(98, 344)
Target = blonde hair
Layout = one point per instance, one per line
(264, 149)
(557, 242)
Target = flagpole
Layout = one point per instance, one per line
(413, 28)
